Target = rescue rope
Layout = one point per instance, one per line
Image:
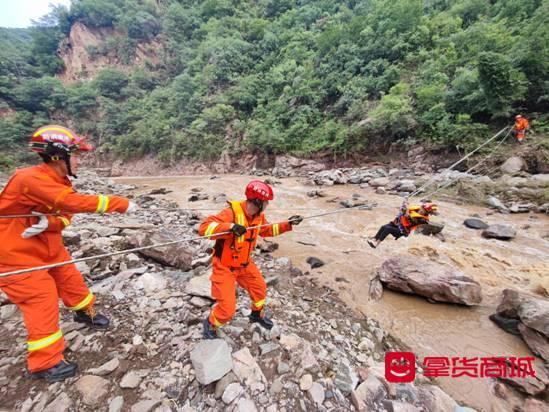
(432, 180)
(147, 210)
(480, 162)
(137, 249)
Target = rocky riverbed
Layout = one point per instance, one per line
(324, 354)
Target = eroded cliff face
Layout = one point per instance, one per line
(89, 50)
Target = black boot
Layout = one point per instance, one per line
(259, 316)
(209, 331)
(59, 372)
(91, 318)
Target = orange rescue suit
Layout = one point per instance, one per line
(232, 262)
(41, 189)
(411, 220)
(521, 125)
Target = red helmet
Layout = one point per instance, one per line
(51, 137)
(430, 208)
(257, 189)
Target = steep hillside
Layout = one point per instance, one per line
(198, 79)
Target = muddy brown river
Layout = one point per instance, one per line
(427, 329)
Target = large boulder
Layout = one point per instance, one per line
(529, 315)
(177, 255)
(499, 231)
(512, 166)
(422, 277)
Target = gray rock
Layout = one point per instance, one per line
(211, 360)
(316, 392)
(315, 262)
(131, 380)
(246, 405)
(507, 324)
(92, 388)
(199, 286)
(534, 313)
(151, 282)
(116, 404)
(283, 368)
(496, 204)
(379, 181)
(246, 368)
(512, 166)
(178, 255)
(474, 223)
(346, 379)
(432, 228)
(406, 186)
(435, 400)
(145, 406)
(233, 391)
(106, 368)
(530, 385)
(222, 384)
(276, 387)
(7, 311)
(368, 393)
(429, 279)
(306, 382)
(60, 404)
(538, 343)
(499, 231)
(521, 207)
(397, 406)
(268, 347)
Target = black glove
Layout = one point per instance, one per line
(238, 230)
(295, 220)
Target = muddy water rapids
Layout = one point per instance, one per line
(427, 329)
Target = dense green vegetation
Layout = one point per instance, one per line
(299, 76)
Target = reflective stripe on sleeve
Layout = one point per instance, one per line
(211, 228)
(276, 229)
(102, 204)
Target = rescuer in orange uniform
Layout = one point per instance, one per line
(36, 241)
(521, 127)
(232, 257)
(409, 219)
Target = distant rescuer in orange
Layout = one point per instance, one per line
(409, 219)
(521, 127)
(232, 257)
(28, 242)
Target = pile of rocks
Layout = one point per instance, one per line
(319, 356)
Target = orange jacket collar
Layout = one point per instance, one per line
(47, 169)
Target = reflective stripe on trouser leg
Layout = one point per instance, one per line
(84, 303)
(44, 342)
(213, 320)
(258, 305)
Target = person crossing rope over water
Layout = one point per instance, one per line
(409, 219)
(232, 256)
(37, 241)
